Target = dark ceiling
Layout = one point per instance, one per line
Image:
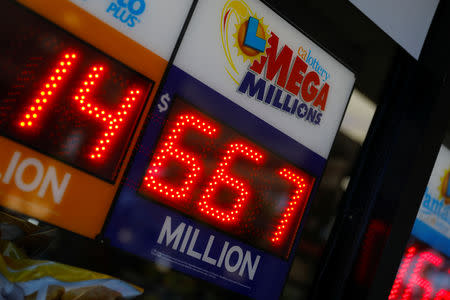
(349, 35)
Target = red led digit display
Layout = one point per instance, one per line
(222, 177)
(212, 173)
(65, 98)
(423, 274)
(170, 150)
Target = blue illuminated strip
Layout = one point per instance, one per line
(426, 234)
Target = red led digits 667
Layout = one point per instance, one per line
(210, 172)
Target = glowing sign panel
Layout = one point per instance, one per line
(65, 98)
(212, 173)
(423, 274)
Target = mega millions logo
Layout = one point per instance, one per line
(269, 71)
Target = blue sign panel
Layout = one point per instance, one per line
(214, 191)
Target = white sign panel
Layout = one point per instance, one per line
(433, 220)
(262, 63)
(155, 24)
(406, 21)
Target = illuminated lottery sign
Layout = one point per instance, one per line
(422, 274)
(72, 99)
(227, 180)
(233, 151)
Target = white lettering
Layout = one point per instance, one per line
(11, 167)
(191, 251)
(205, 257)
(186, 239)
(231, 258)
(57, 191)
(222, 254)
(50, 177)
(236, 266)
(29, 162)
(166, 231)
(251, 267)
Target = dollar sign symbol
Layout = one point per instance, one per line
(164, 102)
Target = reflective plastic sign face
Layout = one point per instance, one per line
(68, 113)
(154, 24)
(290, 82)
(209, 171)
(65, 98)
(233, 150)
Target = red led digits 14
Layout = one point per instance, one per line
(212, 173)
(64, 109)
(66, 99)
(111, 119)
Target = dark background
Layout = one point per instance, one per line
(403, 140)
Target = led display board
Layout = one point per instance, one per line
(67, 99)
(233, 151)
(73, 95)
(227, 181)
(424, 273)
